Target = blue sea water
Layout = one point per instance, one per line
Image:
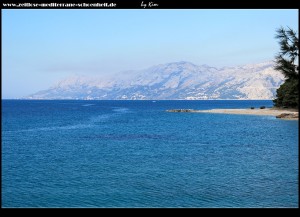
(134, 154)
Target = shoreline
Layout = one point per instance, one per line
(286, 114)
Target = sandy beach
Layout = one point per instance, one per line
(267, 111)
(287, 114)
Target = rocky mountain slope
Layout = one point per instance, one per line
(178, 80)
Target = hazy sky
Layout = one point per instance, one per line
(41, 47)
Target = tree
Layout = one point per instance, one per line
(286, 62)
(288, 94)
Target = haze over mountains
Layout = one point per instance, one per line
(177, 80)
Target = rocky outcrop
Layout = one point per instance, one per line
(288, 116)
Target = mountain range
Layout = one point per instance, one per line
(177, 80)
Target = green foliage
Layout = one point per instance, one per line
(288, 94)
(286, 62)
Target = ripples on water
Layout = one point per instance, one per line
(134, 154)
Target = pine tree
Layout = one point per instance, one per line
(286, 62)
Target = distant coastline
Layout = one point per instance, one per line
(287, 114)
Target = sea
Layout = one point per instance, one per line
(91, 154)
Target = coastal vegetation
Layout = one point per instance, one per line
(286, 62)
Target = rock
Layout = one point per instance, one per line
(181, 110)
(288, 115)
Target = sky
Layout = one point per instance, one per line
(43, 46)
